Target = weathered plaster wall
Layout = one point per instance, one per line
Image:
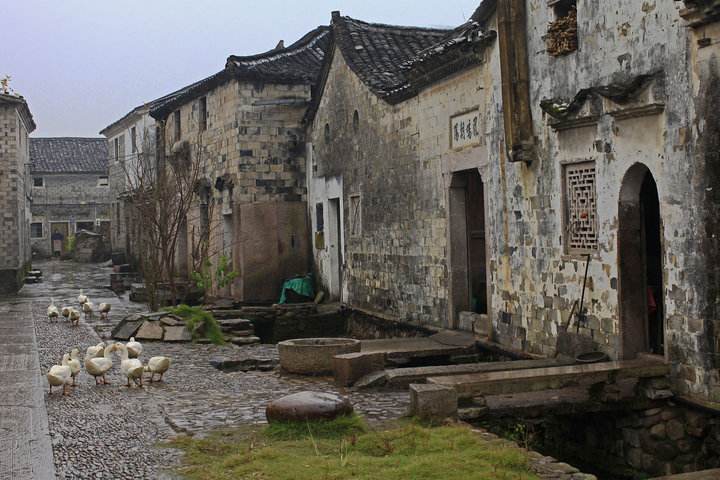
(257, 146)
(397, 160)
(14, 199)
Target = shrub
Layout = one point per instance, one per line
(201, 323)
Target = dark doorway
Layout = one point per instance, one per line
(335, 248)
(468, 244)
(640, 264)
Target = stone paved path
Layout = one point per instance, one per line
(114, 432)
(25, 450)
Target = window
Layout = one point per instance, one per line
(327, 133)
(355, 215)
(102, 182)
(356, 121)
(176, 122)
(116, 146)
(89, 226)
(580, 208)
(133, 139)
(202, 107)
(36, 230)
(38, 182)
(562, 37)
(319, 217)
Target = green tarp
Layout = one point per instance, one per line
(301, 285)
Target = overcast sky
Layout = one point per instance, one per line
(82, 64)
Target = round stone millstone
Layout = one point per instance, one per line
(303, 406)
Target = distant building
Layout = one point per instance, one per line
(129, 138)
(16, 123)
(70, 191)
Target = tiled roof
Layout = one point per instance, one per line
(377, 52)
(299, 63)
(68, 155)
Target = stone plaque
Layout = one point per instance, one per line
(466, 130)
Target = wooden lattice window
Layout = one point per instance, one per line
(581, 208)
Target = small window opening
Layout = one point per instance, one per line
(562, 36)
(176, 122)
(36, 230)
(327, 133)
(319, 217)
(87, 226)
(202, 107)
(102, 181)
(133, 139)
(38, 182)
(356, 121)
(116, 145)
(355, 215)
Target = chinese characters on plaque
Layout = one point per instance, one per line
(465, 130)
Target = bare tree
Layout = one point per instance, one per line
(162, 189)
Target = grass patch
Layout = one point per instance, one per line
(347, 449)
(201, 323)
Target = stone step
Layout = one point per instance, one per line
(402, 377)
(548, 378)
(702, 475)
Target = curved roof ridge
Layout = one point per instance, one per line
(410, 28)
(307, 40)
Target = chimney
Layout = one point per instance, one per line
(280, 45)
(335, 16)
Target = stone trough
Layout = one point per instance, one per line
(314, 356)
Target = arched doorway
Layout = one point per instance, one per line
(467, 245)
(640, 256)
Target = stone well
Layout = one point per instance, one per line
(314, 356)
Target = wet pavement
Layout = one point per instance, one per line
(115, 432)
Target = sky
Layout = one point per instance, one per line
(82, 64)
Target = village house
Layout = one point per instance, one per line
(128, 139)
(468, 179)
(245, 125)
(16, 123)
(70, 189)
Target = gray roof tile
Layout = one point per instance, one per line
(68, 155)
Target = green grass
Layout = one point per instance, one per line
(347, 449)
(199, 322)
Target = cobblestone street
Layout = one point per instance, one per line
(113, 431)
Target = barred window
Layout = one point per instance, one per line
(355, 215)
(580, 208)
(36, 230)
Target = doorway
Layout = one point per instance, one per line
(640, 256)
(58, 238)
(335, 248)
(468, 245)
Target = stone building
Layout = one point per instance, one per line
(129, 138)
(245, 125)
(70, 190)
(16, 123)
(468, 178)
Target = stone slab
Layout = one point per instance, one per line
(305, 406)
(172, 321)
(415, 347)
(126, 329)
(177, 334)
(150, 330)
(244, 341)
(350, 367)
(532, 380)
(433, 402)
(702, 475)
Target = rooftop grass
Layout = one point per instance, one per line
(347, 449)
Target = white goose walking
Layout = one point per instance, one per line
(60, 375)
(132, 368)
(98, 367)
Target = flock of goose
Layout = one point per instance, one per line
(99, 358)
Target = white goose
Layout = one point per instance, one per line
(52, 312)
(157, 366)
(134, 348)
(82, 298)
(66, 312)
(74, 317)
(98, 367)
(59, 375)
(95, 351)
(132, 368)
(104, 310)
(74, 364)
(87, 309)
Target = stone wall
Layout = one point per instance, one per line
(253, 144)
(14, 198)
(399, 162)
(69, 199)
